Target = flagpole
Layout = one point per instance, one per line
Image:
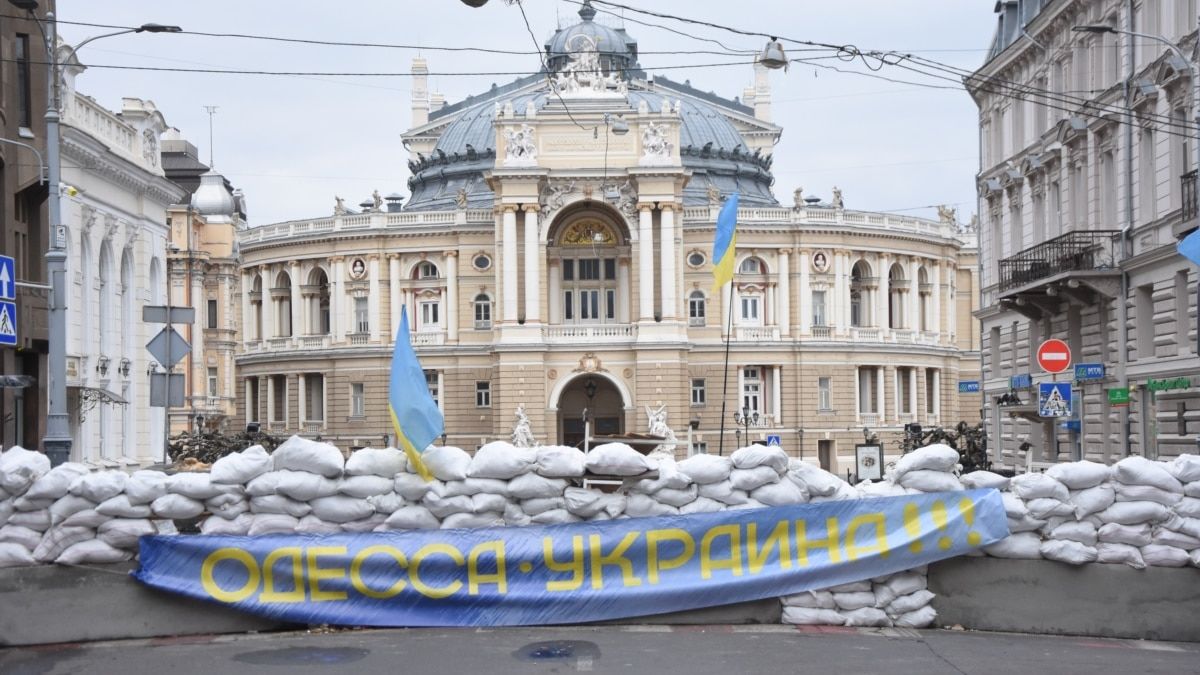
(725, 386)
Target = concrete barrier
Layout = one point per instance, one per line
(1041, 596)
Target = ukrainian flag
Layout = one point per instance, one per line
(725, 245)
(415, 415)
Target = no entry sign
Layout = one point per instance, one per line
(1054, 356)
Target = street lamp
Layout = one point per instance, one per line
(57, 441)
(745, 418)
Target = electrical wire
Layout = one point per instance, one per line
(550, 82)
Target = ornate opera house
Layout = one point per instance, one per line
(554, 253)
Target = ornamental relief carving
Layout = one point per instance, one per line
(587, 233)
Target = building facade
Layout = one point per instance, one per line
(554, 255)
(1087, 182)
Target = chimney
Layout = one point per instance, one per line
(420, 92)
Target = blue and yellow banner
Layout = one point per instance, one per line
(582, 572)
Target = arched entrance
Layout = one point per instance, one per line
(603, 403)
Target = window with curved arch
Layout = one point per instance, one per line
(319, 317)
(752, 266)
(283, 319)
(696, 309)
(586, 282)
(426, 270)
(925, 292)
(256, 306)
(897, 316)
(483, 312)
(859, 309)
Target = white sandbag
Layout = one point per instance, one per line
(928, 480)
(1188, 507)
(871, 489)
(701, 505)
(1157, 555)
(303, 486)
(24, 503)
(857, 600)
(752, 479)
(367, 485)
(804, 616)
(176, 507)
(1027, 523)
(1141, 471)
(369, 524)
(472, 520)
(340, 508)
(1092, 500)
(532, 486)
(753, 456)
(34, 520)
(843, 491)
(617, 459)
(816, 481)
(1021, 546)
(1120, 554)
(100, 486)
(1080, 475)
(984, 479)
(15, 534)
(15, 555)
(537, 505)
(560, 461)
(1195, 558)
(669, 476)
(1192, 489)
(811, 600)
(1082, 532)
(443, 507)
(92, 551)
(1049, 508)
(55, 483)
(222, 501)
(300, 454)
(783, 493)
(239, 468)
(921, 618)
(677, 497)
(1146, 493)
(1185, 468)
(1189, 526)
(588, 503)
(199, 486)
(907, 583)
(279, 504)
(641, 506)
(382, 462)
(883, 595)
(272, 523)
(145, 486)
(705, 469)
(411, 486)
(413, 517)
(87, 518)
(64, 507)
(387, 503)
(124, 533)
(311, 524)
(1165, 537)
(1133, 535)
(1070, 552)
(501, 460)
(446, 462)
(851, 587)
(1014, 506)
(119, 507)
(936, 457)
(515, 517)
(473, 486)
(6, 510)
(867, 616)
(723, 492)
(265, 484)
(1133, 513)
(20, 468)
(911, 602)
(555, 517)
(484, 502)
(227, 506)
(58, 539)
(1029, 486)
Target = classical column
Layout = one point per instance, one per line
(668, 253)
(645, 263)
(533, 273)
(451, 295)
(337, 298)
(250, 416)
(294, 299)
(937, 396)
(840, 303)
(509, 250)
(622, 291)
(393, 295)
(935, 301)
(883, 301)
(784, 296)
(301, 396)
(776, 393)
(913, 320)
(880, 396)
(247, 288)
(270, 416)
(912, 392)
(769, 305)
(554, 293)
(373, 303)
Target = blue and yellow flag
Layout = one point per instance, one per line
(725, 244)
(415, 415)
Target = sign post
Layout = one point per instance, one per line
(168, 348)
(1054, 356)
(8, 306)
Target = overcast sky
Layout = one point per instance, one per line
(292, 143)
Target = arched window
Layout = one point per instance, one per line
(925, 290)
(283, 290)
(318, 299)
(586, 279)
(483, 312)
(752, 266)
(696, 316)
(426, 270)
(859, 309)
(107, 289)
(256, 302)
(897, 288)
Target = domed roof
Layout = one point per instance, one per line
(616, 48)
(211, 198)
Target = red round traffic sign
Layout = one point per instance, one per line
(1054, 356)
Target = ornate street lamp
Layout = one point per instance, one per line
(745, 418)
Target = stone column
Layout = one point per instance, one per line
(882, 315)
(268, 303)
(337, 298)
(374, 311)
(840, 302)
(769, 317)
(913, 320)
(668, 253)
(293, 294)
(451, 295)
(880, 396)
(554, 292)
(270, 412)
(935, 301)
(777, 393)
(622, 291)
(645, 263)
(533, 273)
(784, 296)
(394, 293)
(912, 393)
(250, 416)
(301, 394)
(247, 314)
(509, 252)
(937, 395)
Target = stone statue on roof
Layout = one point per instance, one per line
(376, 201)
(460, 198)
(714, 195)
(837, 198)
(339, 206)
(798, 197)
(947, 214)
(656, 144)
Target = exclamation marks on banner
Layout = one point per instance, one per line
(967, 508)
(940, 520)
(912, 523)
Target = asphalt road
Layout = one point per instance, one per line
(666, 650)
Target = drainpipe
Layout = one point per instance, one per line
(1122, 302)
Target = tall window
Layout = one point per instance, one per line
(315, 396)
(212, 313)
(818, 308)
(357, 400)
(1144, 317)
(903, 377)
(433, 382)
(868, 400)
(1038, 199)
(212, 382)
(1108, 190)
(1054, 210)
(824, 393)
(24, 97)
(483, 394)
(931, 393)
(751, 305)
(1181, 311)
(856, 308)
(430, 319)
(752, 389)
(279, 409)
(589, 290)
(699, 395)
(362, 316)
(252, 398)
(483, 312)
(696, 308)
(1146, 182)
(1079, 214)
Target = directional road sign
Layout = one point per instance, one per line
(178, 347)
(1054, 399)
(160, 314)
(8, 322)
(1054, 356)
(160, 397)
(8, 278)
(774, 439)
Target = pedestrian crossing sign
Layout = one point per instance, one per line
(8, 323)
(1054, 399)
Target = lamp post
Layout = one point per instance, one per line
(744, 419)
(589, 388)
(57, 441)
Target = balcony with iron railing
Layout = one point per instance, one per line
(1086, 251)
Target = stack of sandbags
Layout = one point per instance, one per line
(24, 517)
(928, 469)
(1146, 495)
(895, 600)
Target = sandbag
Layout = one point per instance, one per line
(1030, 486)
(1133, 535)
(754, 456)
(532, 485)
(1092, 500)
(869, 489)
(24, 503)
(20, 468)
(752, 479)
(588, 503)
(1165, 537)
(1133, 513)
(1141, 471)
(677, 497)
(199, 486)
(411, 486)
(560, 461)
(1079, 475)
(227, 506)
(64, 507)
(239, 468)
(911, 602)
(843, 491)
(176, 507)
(669, 476)
(300, 454)
(1188, 507)
(412, 518)
(921, 618)
(92, 551)
(984, 479)
(34, 520)
(368, 485)
(272, 523)
(928, 480)
(816, 481)
(783, 493)
(303, 486)
(936, 457)
(119, 507)
(723, 492)
(15, 555)
(265, 484)
(484, 502)
(1014, 506)
(472, 520)
(145, 486)
(473, 486)
(1124, 554)
(1185, 468)
(906, 583)
(811, 600)
(58, 539)
(867, 616)
(340, 509)
(55, 483)
(617, 459)
(1158, 555)
(515, 517)
(1026, 523)
(1084, 533)
(555, 517)
(701, 505)
(1021, 546)
(100, 486)
(387, 503)
(279, 504)
(381, 462)
(1070, 552)
(86, 518)
(123, 533)
(501, 460)
(851, 587)
(1146, 493)
(705, 469)
(805, 616)
(443, 507)
(446, 462)
(15, 534)
(857, 600)
(1189, 526)
(641, 506)
(1048, 508)
(311, 524)
(533, 507)
(369, 524)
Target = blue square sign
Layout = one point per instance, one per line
(774, 439)
(8, 278)
(8, 322)
(1054, 399)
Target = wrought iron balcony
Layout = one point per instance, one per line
(1071, 252)
(1187, 188)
